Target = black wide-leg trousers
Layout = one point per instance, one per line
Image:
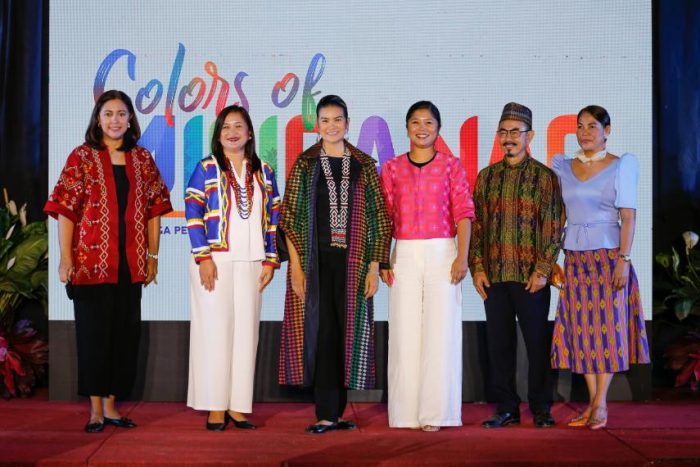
(330, 394)
(108, 330)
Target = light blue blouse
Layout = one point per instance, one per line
(592, 206)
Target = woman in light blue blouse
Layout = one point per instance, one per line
(599, 327)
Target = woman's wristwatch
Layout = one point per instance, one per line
(625, 258)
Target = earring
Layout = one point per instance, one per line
(128, 125)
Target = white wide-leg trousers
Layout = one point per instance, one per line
(224, 328)
(425, 336)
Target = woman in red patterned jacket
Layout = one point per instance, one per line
(108, 201)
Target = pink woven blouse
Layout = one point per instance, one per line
(426, 202)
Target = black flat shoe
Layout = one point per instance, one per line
(543, 420)
(346, 425)
(243, 425)
(501, 419)
(120, 422)
(218, 426)
(94, 427)
(319, 429)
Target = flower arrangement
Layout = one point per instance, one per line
(23, 276)
(681, 289)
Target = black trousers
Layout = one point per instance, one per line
(330, 393)
(505, 301)
(108, 330)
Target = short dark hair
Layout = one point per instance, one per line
(249, 150)
(331, 100)
(597, 112)
(94, 135)
(424, 105)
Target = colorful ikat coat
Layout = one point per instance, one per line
(369, 239)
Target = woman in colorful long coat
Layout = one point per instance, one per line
(599, 327)
(337, 232)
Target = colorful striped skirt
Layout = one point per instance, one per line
(598, 329)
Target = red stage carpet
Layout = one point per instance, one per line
(50, 433)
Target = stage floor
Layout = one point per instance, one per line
(50, 433)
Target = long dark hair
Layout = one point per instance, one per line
(597, 112)
(331, 100)
(249, 150)
(424, 105)
(94, 135)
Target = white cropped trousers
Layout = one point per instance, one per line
(224, 329)
(425, 336)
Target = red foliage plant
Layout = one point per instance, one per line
(23, 357)
(684, 356)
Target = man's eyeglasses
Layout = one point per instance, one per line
(514, 133)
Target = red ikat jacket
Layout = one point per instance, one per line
(86, 194)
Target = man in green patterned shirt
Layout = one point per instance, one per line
(515, 242)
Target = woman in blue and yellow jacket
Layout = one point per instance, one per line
(232, 208)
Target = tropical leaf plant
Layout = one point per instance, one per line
(23, 276)
(23, 261)
(681, 284)
(680, 287)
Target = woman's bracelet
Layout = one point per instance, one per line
(152, 256)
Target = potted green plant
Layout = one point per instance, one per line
(23, 276)
(680, 289)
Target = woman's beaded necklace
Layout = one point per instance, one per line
(242, 194)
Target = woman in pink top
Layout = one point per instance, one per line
(428, 198)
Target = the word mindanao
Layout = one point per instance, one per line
(374, 135)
